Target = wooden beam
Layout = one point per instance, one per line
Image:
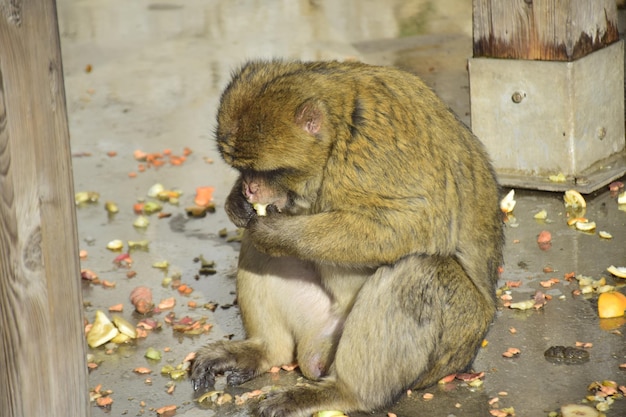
(552, 30)
(42, 353)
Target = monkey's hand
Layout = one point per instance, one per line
(239, 210)
(268, 233)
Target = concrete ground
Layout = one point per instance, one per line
(147, 75)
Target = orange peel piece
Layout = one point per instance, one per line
(618, 271)
(573, 198)
(611, 304)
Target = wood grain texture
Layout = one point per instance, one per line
(555, 30)
(42, 353)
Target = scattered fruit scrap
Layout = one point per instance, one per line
(219, 397)
(541, 215)
(116, 308)
(603, 395)
(103, 330)
(187, 325)
(176, 373)
(576, 206)
(88, 274)
(583, 224)
(618, 271)
(507, 204)
(288, 368)
(538, 301)
(578, 410)
(158, 159)
(216, 397)
(152, 353)
(141, 298)
(115, 245)
(511, 352)
(447, 379)
(111, 207)
(611, 304)
(204, 196)
(161, 265)
(471, 379)
(86, 197)
(615, 187)
(549, 283)
(573, 199)
(167, 303)
(502, 412)
(166, 411)
(544, 240)
(560, 177)
(102, 398)
(588, 285)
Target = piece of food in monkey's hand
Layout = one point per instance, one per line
(261, 209)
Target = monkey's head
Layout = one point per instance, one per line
(274, 131)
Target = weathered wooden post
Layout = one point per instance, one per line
(547, 91)
(42, 353)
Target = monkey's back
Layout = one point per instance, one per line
(402, 149)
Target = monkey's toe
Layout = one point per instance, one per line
(202, 378)
(239, 376)
(285, 403)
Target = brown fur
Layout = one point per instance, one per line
(377, 263)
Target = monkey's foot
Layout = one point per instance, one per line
(303, 401)
(240, 359)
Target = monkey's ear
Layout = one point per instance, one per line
(310, 116)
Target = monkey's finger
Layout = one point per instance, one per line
(203, 382)
(239, 376)
(272, 209)
(202, 377)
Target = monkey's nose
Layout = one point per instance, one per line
(250, 188)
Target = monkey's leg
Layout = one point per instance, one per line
(275, 295)
(412, 323)
(316, 347)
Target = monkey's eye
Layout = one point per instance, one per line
(271, 176)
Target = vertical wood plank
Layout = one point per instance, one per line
(42, 353)
(554, 30)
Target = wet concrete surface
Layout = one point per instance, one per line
(156, 71)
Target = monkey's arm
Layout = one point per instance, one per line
(353, 238)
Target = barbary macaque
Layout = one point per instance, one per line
(376, 261)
